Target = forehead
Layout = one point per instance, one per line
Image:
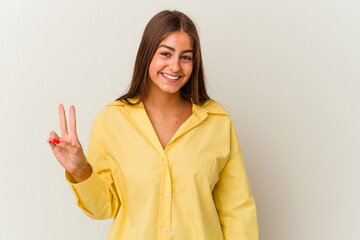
(178, 40)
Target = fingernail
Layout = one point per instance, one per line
(50, 141)
(56, 141)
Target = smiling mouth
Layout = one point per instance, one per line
(171, 77)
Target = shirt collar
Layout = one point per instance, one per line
(137, 115)
(208, 107)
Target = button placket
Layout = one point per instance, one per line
(165, 201)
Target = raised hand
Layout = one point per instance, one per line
(67, 148)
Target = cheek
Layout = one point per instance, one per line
(188, 69)
(156, 64)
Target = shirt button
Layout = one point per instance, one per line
(165, 195)
(164, 229)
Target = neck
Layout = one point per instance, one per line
(165, 103)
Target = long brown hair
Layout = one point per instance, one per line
(157, 29)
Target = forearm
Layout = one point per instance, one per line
(96, 195)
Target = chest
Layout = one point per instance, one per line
(165, 128)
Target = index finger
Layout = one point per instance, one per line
(72, 120)
(63, 124)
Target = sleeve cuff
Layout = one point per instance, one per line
(86, 188)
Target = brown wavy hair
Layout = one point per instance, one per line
(158, 28)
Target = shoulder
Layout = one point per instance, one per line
(119, 103)
(109, 110)
(208, 108)
(214, 113)
(213, 107)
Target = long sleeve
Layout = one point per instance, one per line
(96, 196)
(194, 189)
(233, 197)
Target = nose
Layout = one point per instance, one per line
(174, 65)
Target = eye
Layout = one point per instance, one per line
(187, 58)
(166, 54)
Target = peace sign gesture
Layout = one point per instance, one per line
(67, 148)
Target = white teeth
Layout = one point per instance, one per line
(170, 77)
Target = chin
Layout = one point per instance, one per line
(171, 91)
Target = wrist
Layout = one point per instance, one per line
(82, 173)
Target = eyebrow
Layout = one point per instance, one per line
(174, 49)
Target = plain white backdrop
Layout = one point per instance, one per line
(286, 71)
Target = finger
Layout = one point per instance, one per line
(54, 135)
(63, 124)
(51, 143)
(65, 145)
(72, 120)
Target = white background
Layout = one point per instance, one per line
(286, 71)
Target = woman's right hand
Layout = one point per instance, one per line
(67, 148)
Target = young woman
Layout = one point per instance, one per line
(164, 159)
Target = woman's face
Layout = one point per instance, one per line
(172, 64)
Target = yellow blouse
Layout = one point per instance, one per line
(195, 189)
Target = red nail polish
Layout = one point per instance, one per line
(56, 141)
(50, 141)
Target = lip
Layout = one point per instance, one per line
(170, 80)
(170, 74)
